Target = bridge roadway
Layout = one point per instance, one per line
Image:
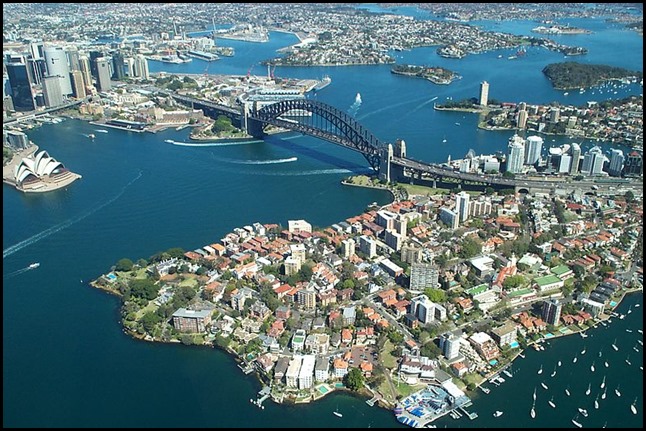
(436, 171)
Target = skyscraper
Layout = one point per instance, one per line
(484, 93)
(515, 154)
(551, 312)
(118, 62)
(522, 119)
(84, 63)
(534, 145)
(52, 91)
(78, 84)
(23, 99)
(616, 162)
(141, 67)
(576, 158)
(634, 165)
(103, 74)
(462, 206)
(593, 161)
(56, 60)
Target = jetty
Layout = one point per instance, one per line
(264, 393)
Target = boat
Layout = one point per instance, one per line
(600, 352)
(444, 140)
(336, 413)
(566, 93)
(575, 359)
(532, 412)
(553, 372)
(357, 98)
(575, 422)
(583, 335)
(596, 402)
(170, 141)
(540, 371)
(629, 330)
(641, 343)
(457, 124)
(507, 373)
(485, 390)
(628, 361)
(603, 395)
(584, 412)
(534, 396)
(587, 391)
(34, 265)
(637, 305)
(603, 382)
(592, 367)
(101, 130)
(551, 403)
(544, 386)
(323, 83)
(633, 408)
(91, 136)
(617, 391)
(497, 414)
(606, 364)
(614, 346)
(559, 363)
(567, 391)
(583, 351)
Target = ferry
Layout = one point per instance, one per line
(323, 83)
(34, 265)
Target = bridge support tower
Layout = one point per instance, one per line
(385, 162)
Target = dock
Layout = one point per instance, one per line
(247, 370)
(262, 396)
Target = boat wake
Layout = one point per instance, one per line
(13, 274)
(263, 162)
(354, 108)
(101, 130)
(59, 227)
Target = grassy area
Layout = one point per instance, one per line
(360, 180)
(387, 359)
(423, 190)
(405, 389)
(150, 307)
(189, 281)
(471, 378)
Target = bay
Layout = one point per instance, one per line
(66, 361)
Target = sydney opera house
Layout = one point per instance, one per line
(41, 173)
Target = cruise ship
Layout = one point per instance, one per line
(323, 83)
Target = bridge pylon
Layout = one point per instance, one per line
(384, 162)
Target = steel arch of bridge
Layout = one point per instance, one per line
(340, 129)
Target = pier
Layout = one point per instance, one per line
(262, 396)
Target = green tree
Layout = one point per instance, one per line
(354, 380)
(435, 295)
(143, 288)
(124, 264)
(149, 321)
(513, 281)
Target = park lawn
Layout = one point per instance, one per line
(189, 281)
(405, 389)
(386, 357)
(150, 307)
(362, 180)
(474, 378)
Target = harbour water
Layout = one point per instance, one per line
(66, 362)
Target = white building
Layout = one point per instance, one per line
(306, 372)
(533, 147)
(293, 371)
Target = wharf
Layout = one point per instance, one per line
(263, 395)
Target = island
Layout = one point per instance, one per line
(435, 74)
(560, 29)
(573, 75)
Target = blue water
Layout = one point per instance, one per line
(66, 361)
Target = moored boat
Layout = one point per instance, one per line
(497, 414)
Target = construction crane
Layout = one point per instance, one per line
(249, 71)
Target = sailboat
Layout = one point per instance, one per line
(575, 422)
(633, 408)
(553, 372)
(614, 346)
(617, 391)
(551, 403)
(603, 382)
(587, 391)
(583, 351)
(336, 413)
(567, 391)
(628, 360)
(497, 414)
(592, 367)
(603, 395)
(576, 358)
(596, 402)
(544, 386)
(534, 396)
(540, 371)
(606, 364)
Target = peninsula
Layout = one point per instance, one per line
(355, 305)
(573, 75)
(435, 74)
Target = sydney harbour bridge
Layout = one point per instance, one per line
(388, 160)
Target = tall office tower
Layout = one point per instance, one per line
(522, 106)
(73, 57)
(23, 98)
(78, 84)
(634, 165)
(533, 148)
(593, 161)
(84, 63)
(37, 69)
(515, 154)
(555, 114)
(616, 163)
(423, 275)
(103, 71)
(462, 206)
(118, 63)
(551, 312)
(129, 66)
(52, 91)
(484, 93)
(37, 50)
(141, 67)
(575, 150)
(565, 163)
(94, 56)
(56, 60)
(522, 119)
